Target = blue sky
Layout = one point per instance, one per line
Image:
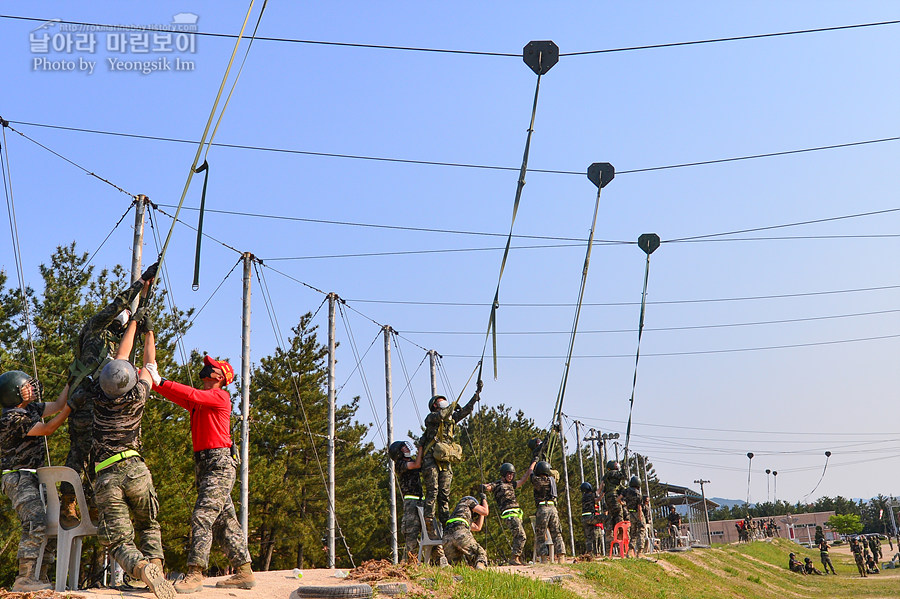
(700, 406)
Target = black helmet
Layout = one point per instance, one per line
(11, 388)
(586, 487)
(791, 555)
(468, 499)
(612, 465)
(542, 468)
(118, 378)
(507, 468)
(534, 443)
(432, 403)
(396, 449)
(634, 483)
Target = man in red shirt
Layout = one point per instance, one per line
(215, 470)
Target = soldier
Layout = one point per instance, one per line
(439, 450)
(96, 343)
(21, 429)
(510, 513)
(590, 517)
(875, 546)
(467, 517)
(795, 565)
(674, 519)
(856, 548)
(613, 481)
(826, 559)
(809, 568)
(547, 518)
(407, 470)
(123, 483)
(214, 471)
(636, 505)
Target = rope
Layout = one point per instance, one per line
(105, 239)
(827, 456)
(273, 319)
(412, 395)
(362, 372)
(17, 256)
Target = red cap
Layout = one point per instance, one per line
(225, 367)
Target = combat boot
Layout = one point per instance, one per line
(153, 577)
(26, 581)
(68, 512)
(514, 561)
(242, 579)
(43, 577)
(480, 566)
(192, 581)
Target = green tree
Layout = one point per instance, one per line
(845, 524)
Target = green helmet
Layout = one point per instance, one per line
(10, 387)
(433, 403)
(612, 465)
(542, 468)
(507, 468)
(587, 487)
(634, 483)
(396, 449)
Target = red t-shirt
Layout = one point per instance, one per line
(210, 413)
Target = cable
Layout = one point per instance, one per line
(108, 235)
(362, 372)
(579, 173)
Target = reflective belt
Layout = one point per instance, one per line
(587, 513)
(19, 470)
(452, 520)
(412, 497)
(514, 512)
(547, 503)
(129, 453)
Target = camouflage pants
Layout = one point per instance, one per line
(128, 484)
(410, 527)
(437, 492)
(589, 524)
(636, 535)
(860, 564)
(613, 517)
(214, 516)
(826, 561)
(81, 425)
(514, 525)
(547, 518)
(459, 543)
(23, 490)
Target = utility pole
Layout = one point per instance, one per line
(331, 396)
(593, 439)
(247, 257)
(137, 252)
(578, 445)
(702, 482)
(432, 359)
(616, 446)
(388, 395)
(562, 448)
(774, 487)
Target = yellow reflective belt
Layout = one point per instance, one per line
(515, 512)
(547, 503)
(115, 458)
(412, 497)
(456, 520)
(19, 470)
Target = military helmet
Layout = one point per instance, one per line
(432, 403)
(534, 443)
(586, 487)
(120, 323)
(118, 378)
(791, 555)
(635, 482)
(542, 468)
(468, 499)
(507, 468)
(10, 387)
(396, 449)
(612, 465)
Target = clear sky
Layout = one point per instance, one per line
(706, 393)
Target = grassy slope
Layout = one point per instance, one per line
(753, 571)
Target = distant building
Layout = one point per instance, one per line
(800, 528)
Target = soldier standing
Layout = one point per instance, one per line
(439, 450)
(123, 483)
(826, 559)
(510, 513)
(856, 548)
(590, 517)
(407, 470)
(613, 481)
(635, 504)
(674, 519)
(547, 518)
(96, 344)
(214, 470)
(467, 517)
(21, 429)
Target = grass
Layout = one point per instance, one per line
(485, 583)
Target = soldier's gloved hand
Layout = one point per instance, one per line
(154, 373)
(479, 386)
(150, 273)
(144, 319)
(482, 497)
(76, 401)
(483, 489)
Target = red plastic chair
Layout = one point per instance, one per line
(620, 539)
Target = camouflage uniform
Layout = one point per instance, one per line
(21, 456)
(826, 559)
(510, 514)
(214, 516)
(856, 548)
(458, 539)
(613, 481)
(590, 521)
(437, 476)
(634, 503)
(411, 487)
(96, 343)
(547, 517)
(126, 483)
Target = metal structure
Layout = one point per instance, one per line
(247, 257)
(331, 398)
(695, 506)
(388, 396)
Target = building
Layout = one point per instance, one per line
(797, 527)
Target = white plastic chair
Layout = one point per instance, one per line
(548, 542)
(425, 541)
(68, 541)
